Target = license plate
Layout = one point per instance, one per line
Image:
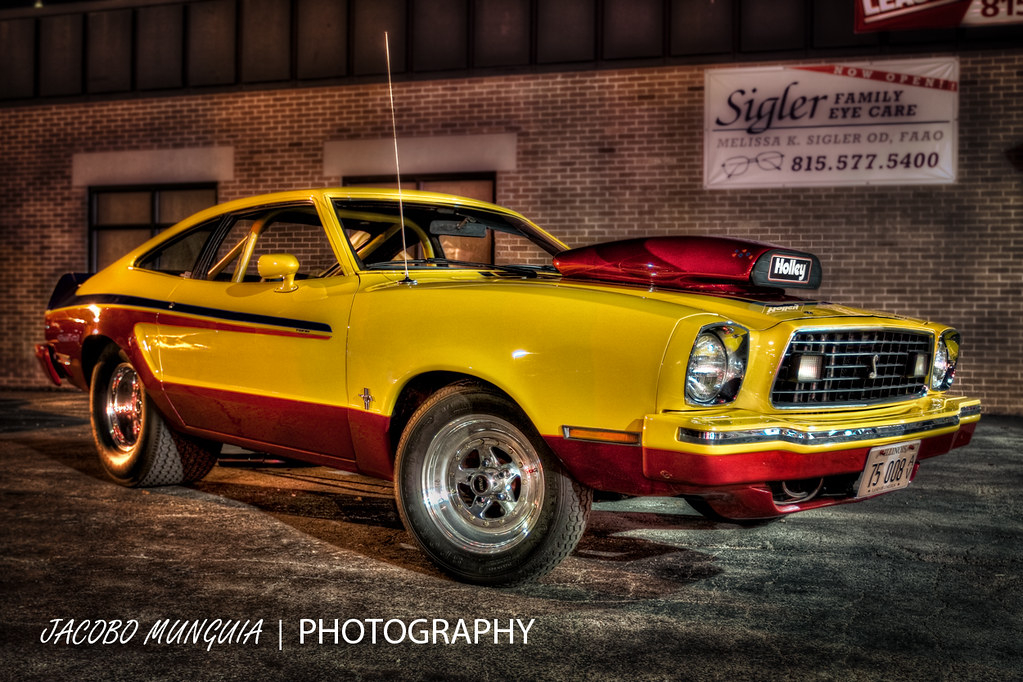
(889, 467)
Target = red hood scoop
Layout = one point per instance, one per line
(709, 264)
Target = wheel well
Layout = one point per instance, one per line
(418, 391)
(92, 349)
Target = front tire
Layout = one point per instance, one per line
(480, 491)
(135, 446)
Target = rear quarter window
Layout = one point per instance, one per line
(179, 255)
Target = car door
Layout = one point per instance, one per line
(262, 362)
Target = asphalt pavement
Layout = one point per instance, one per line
(266, 570)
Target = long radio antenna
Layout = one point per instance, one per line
(397, 166)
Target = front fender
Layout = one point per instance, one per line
(566, 355)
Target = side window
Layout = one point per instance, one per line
(179, 256)
(295, 230)
(478, 249)
(375, 238)
(229, 254)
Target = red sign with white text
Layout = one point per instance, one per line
(905, 15)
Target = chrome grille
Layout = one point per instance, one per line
(859, 367)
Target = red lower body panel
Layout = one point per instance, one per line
(736, 486)
(322, 434)
(301, 426)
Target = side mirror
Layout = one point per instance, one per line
(281, 266)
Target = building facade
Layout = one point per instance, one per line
(586, 116)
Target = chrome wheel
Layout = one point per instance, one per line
(483, 484)
(481, 493)
(135, 446)
(124, 409)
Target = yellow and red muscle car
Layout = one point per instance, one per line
(496, 376)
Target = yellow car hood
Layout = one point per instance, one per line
(751, 313)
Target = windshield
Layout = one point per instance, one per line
(441, 236)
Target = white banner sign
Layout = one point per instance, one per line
(891, 122)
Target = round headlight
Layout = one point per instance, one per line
(708, 369)
(946, 357)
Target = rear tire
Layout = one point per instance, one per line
(135, 446)
(480, 491)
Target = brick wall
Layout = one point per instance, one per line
(602, 155)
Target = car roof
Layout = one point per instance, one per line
(329, 194)
(380, 193)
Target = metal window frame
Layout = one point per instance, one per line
(153, 225)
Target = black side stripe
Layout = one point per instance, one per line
(202, 311)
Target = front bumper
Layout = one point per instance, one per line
(744, 447)
(737, 461)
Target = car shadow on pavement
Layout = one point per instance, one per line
(21, 415)
(358, 514)
(68, 451)
(630, 555)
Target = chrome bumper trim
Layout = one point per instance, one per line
(776, 434)
(969, 411)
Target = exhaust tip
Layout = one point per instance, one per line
(793, 492)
